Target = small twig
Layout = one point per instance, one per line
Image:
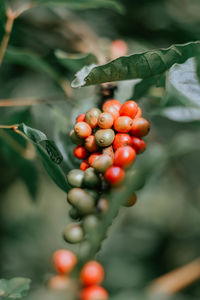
(176, 280)
(26, 101)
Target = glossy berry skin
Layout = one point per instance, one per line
(104, 137)
(80, 118)
(140, 127)
(92, 157)
(124, 156)
(92, 273)
(94, 292)
(102, 163)
(73, 234)
(139, 113)
(123, 124)
(105, 120)
(113, 110)
(114, 103)
(114, 175)
(138, 144)
(80, 152)
(121, 139)
(129, 109)
(90, 144)
(64, 261)
(91, 117)
(83, 130)
(84, 165)
(81, 200)
(75, 138)
(75, 177)
(91, 179)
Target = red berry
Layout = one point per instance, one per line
(123, 124)
(121, 139)
(82, 129)
(80, 118)
(80, 152)
(140, 127)
(90, 144)
(114, 175)
(64, 261)
(115, 103)
(139, 113)
(84, 165)
(92, 273)
(94, 292)
(129, 109)
(93, 157)
(105, 120)
(124, 156)
(138, 144)
(112, 109)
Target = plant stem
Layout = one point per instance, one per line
(176, 280)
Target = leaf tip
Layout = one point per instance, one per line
(80, 79)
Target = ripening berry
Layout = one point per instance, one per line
(81, 200)
(114, 103)
(140, 127)
(83, 130)
(80, 152)
(121, 139)
(139, 113)
(102, 163)
(91, 179)
(138, 144)
(112, 109)
(123, 124)
(92, 273)
(131, 201)
(109, 151)
(64, 261)
(84, 165)
(124, 156)
(75, 138)
(104, 137)
(91, 117)
(75, 177)
(59, 282)
(114, 175)
(129, 109)
(118, 48)
(73, 234)
(94, 292)
(90, 223)
(92, 157)
(105, 120)
(102, 206)
(80, 118)
(90, 144)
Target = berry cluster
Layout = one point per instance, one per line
(90, 277)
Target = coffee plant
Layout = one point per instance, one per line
(115, 206)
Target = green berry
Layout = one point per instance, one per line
(91, 179)
(73, 234)
(81, 200)
(103, 206)
(75, 139)
(75, 177)
(102, 163)
(74, 213)
(90, 223)
(104, 137)
(92, 193)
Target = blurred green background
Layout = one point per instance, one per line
(162, 231)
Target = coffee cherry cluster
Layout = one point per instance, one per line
(90, 277)
(107, 143)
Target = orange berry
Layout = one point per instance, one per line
(121, 139)
(139, 113)
(112, 102)
(64, 261)
(138, 144)
(93, 156)
(82, 129)
(94, 292)
(105, 120)
(118, 48)
(123, 124)
(124, 156)
(80, 118)
(91, 117)
(90, 144)
(80, 152)
(113, 110)
(114, 175)
(92, 273)
(140, 127)
(84, 165)
(59, 282)
(129, 109)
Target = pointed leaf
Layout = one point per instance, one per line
(142, 65)
(54, 152)
(15, 288)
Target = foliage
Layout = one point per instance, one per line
(15, 288)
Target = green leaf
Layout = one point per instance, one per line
(15, 288)
(180, 113)
(35, 135)
(84, 4)
(2, 16)
(54, 152)
(30, 60)
(142, 65)
(75, 62)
